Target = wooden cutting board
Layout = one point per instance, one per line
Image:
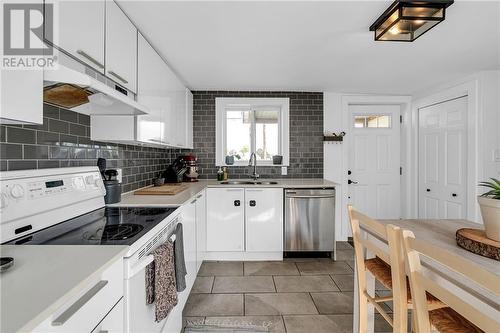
(166, 189)
(475, 240)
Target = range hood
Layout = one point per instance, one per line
(70, 89)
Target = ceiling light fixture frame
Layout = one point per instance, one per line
(399, 6)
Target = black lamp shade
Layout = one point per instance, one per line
(405, 21)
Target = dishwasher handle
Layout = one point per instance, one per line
(311, 196)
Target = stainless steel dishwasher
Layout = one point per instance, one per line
(310, 220)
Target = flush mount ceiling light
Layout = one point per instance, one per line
(405, 21)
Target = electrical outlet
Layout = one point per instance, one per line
(119, 175)
(284, 171)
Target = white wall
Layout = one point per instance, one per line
(489, 123)
(333, 158)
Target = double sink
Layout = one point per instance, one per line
(248, 182)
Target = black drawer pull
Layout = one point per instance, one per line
(428, 190)
(252, 203)
(237, 203)
(453, 194)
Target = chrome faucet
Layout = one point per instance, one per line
(253, 158)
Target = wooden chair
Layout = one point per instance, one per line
(388, 267)
(465, 313)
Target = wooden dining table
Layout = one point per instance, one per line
(440, 233)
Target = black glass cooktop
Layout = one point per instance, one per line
(105, 226)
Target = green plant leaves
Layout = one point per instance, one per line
(494, 187)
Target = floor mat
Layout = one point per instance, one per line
(224, 329)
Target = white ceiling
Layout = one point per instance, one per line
(314, 46)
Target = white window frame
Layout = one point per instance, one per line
(224, 103)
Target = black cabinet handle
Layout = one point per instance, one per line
(428, 190)
(453, 194)
(237, 203)
(349, 172)
(252, 203)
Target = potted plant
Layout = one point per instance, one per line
(490, 208)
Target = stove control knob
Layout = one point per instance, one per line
(4, 200)
(17, 191)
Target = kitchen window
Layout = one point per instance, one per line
(248, 125)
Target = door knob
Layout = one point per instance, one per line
(252, 203)
(351, 182)
(237, 203)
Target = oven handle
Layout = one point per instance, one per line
(310, 196)
(140, 265)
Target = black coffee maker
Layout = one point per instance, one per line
(175, 171)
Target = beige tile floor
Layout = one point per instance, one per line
(293, 296)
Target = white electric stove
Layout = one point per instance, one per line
(66, 206)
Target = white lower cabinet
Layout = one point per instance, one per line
(264, 219)
(225, 219)
(201, 228)
(87, 310)
(113, 322)
(189, 235)
(246, 220)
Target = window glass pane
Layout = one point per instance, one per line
(384, 121)
(266, 134)
(238, 129)
(359, 121)
(379, 121)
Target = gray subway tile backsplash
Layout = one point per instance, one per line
(20, 135)
(306, 134)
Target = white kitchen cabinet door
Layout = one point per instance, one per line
(180, 118)
(189, 119)
(150, 93)
(79, 26)
(21, 99)
(113, 322)
(225, 219)
(264, 219)
(121, 47)
(189, 235)
(201, 228)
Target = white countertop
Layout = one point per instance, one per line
(44, 277)
(131, 200)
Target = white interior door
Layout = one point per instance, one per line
(442, 160)
(374, 160)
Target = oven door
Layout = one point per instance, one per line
(139, 316)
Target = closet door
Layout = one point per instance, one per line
(442, 160)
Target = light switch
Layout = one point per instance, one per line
(496, 155)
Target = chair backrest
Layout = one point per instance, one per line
(453, 285)
(385, 243)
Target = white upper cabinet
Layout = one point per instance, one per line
(79, 26)
(121, 47)
(151, 92)
(21, 99)
(189, 119)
